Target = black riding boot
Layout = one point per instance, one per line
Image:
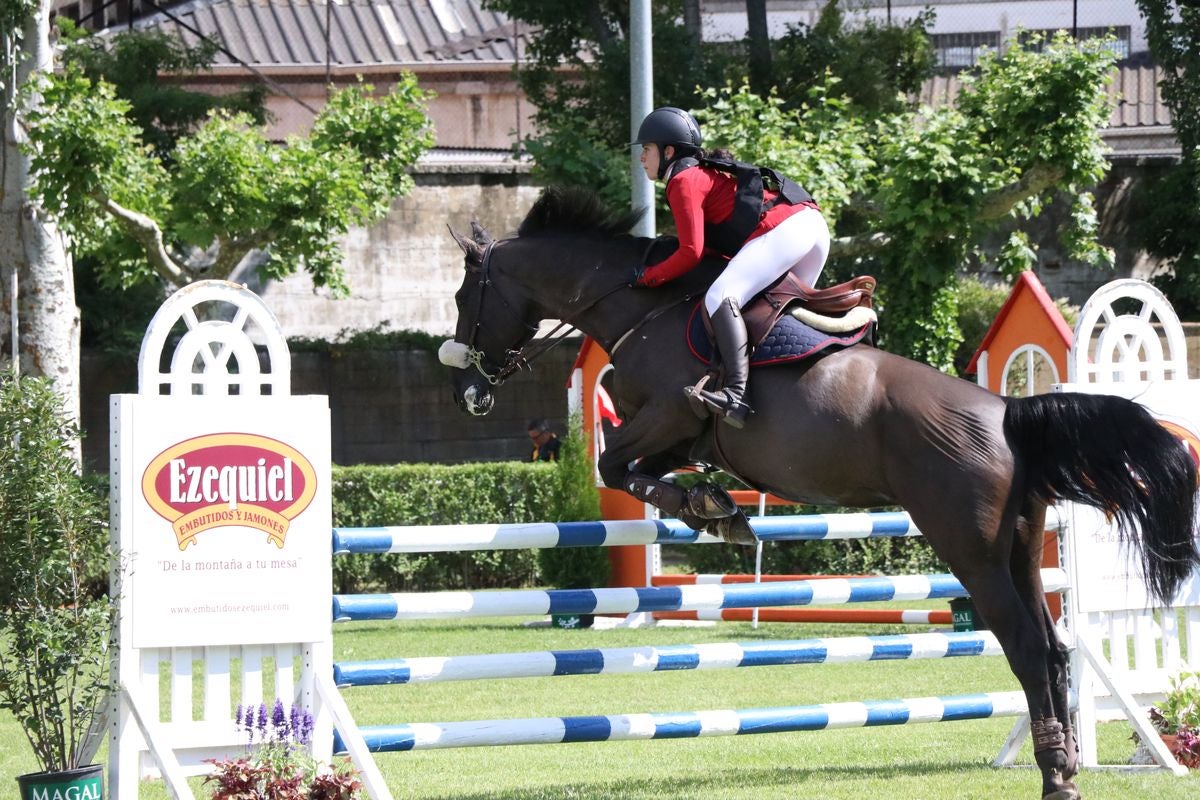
(729, 330)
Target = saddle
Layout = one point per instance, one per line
(763, 313)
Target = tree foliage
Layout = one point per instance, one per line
(133, 61)
(225, 190)
(578, 78)
(879, 66)
(911, 192)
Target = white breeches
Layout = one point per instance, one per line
(801, 240)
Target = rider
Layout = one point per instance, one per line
(789, 236)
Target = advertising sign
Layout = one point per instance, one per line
(1109, 573)
(231, 518)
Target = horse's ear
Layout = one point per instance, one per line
(471, 250)
(481, 236)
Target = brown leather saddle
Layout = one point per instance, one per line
(765, 310)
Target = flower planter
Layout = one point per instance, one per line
(1172, 742)
(966, 618)
(83, 783)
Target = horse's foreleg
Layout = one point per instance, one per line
(642, 479)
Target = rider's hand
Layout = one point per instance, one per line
(635, 277)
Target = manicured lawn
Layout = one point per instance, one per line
(941, 760)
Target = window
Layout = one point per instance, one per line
(957, 51)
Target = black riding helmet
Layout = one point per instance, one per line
(670, 126)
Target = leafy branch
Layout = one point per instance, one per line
(225, 191)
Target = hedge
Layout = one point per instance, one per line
(437, 494)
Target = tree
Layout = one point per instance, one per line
(1166, 218)
(878, 66)
(77, 166)
(34, 259)
(132, 62)
(226, 190)
(113, 315)
(758, 43)
(912, 193)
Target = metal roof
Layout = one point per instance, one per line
(1134, 95)
(374, 33)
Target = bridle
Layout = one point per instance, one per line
(528, 348)
(514, 359)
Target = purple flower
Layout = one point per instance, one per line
(262, 719)
(306, 727)
(279, 720)
(294, 721)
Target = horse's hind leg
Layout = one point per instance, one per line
(992, 555)
(1027, 574)
(1012, 601)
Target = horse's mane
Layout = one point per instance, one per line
(569, 209)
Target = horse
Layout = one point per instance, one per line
(857, 427)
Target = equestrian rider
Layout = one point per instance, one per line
(790, 235)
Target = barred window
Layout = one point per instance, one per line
(957, 51)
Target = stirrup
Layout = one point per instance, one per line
(693, 394)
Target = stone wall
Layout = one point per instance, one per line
(404, 271)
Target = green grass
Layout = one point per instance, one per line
(941, 760)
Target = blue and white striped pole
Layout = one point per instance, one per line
(827, 591)
(625, 660)
(613, 533)
(626, 727)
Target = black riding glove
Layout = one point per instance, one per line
(635, 277)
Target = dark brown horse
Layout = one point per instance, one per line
(858, 427)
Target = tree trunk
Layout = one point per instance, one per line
(32, 246)
(760, 47)
(691, 21)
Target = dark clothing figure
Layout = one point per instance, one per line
(545, 443)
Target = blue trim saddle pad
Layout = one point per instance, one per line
(790, 340)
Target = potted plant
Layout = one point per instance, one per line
(1177, 719)
(56, 623)
(277, 765)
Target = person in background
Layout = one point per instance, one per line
(545, 443)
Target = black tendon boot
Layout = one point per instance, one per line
(729, 330)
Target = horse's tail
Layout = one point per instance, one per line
(1109, 453)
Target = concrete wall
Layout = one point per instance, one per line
(403, 272)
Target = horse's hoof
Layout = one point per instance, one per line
(1067, 792)
(735, 529)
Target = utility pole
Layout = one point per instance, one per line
(641, 102)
